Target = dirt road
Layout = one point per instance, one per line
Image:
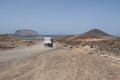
(26, 51)
(60, 64)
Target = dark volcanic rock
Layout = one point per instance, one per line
(26, 32)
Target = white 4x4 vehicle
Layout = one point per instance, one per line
(48, 42)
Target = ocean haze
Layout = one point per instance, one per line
(60, 16)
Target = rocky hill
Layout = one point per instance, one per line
(96, 33)
(95, 39)
(25, 32)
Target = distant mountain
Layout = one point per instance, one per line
(95, 33)
(26, 32)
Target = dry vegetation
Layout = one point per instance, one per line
(109, 44)
(13, 42)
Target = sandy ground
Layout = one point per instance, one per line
(26, 51)
(57, 64)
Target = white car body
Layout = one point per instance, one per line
(48, 41)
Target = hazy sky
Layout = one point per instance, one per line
(60, 16)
